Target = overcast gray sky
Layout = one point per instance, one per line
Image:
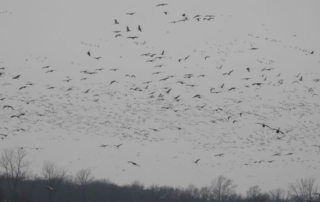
(212, 41)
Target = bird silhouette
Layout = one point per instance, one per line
(116, 22)
(162, 4)
(23, 87)
(16, 77)
(27, 102)
(139, 28)
(196, 161)
(278, 131)
(49, 188)
(87, 91)
(17, 116)
(264, 125)
(7, 106)
(114, 81)
(128, 30)
(133, 163)
(228, 73)
(132, 37)
(118, 145)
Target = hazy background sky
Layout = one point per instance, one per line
(35, 34)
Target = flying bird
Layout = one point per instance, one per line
(196, 161)
(133, 163)
(27, 102)
(116, 22)
(114, 81)
(118, 145)
(87, 91)
(139, 28)
(132, 37)
(162, 4)
(7, 106)
(49, 188)
(23, 87)
(228, 73)
(16, 77)
(18, 116)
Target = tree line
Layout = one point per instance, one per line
(54, 185)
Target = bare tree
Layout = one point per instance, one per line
(15, 166)
(82, 179)
(54, 177)
(253, 191)
(204, 193)
(254, 194)
(222, 188)
(277, 195)
(302, 189)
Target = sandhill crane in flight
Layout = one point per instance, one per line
(118, 145)
(27, 102)
(114, 81)
(133, 163)
(87, 91)
(132, 37)
(23, 87)
(196, 161)
(16, 77)
(49, 188)
(228, 72)
(162, 4)
(18, 116)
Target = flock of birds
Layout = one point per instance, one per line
(205, 101)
